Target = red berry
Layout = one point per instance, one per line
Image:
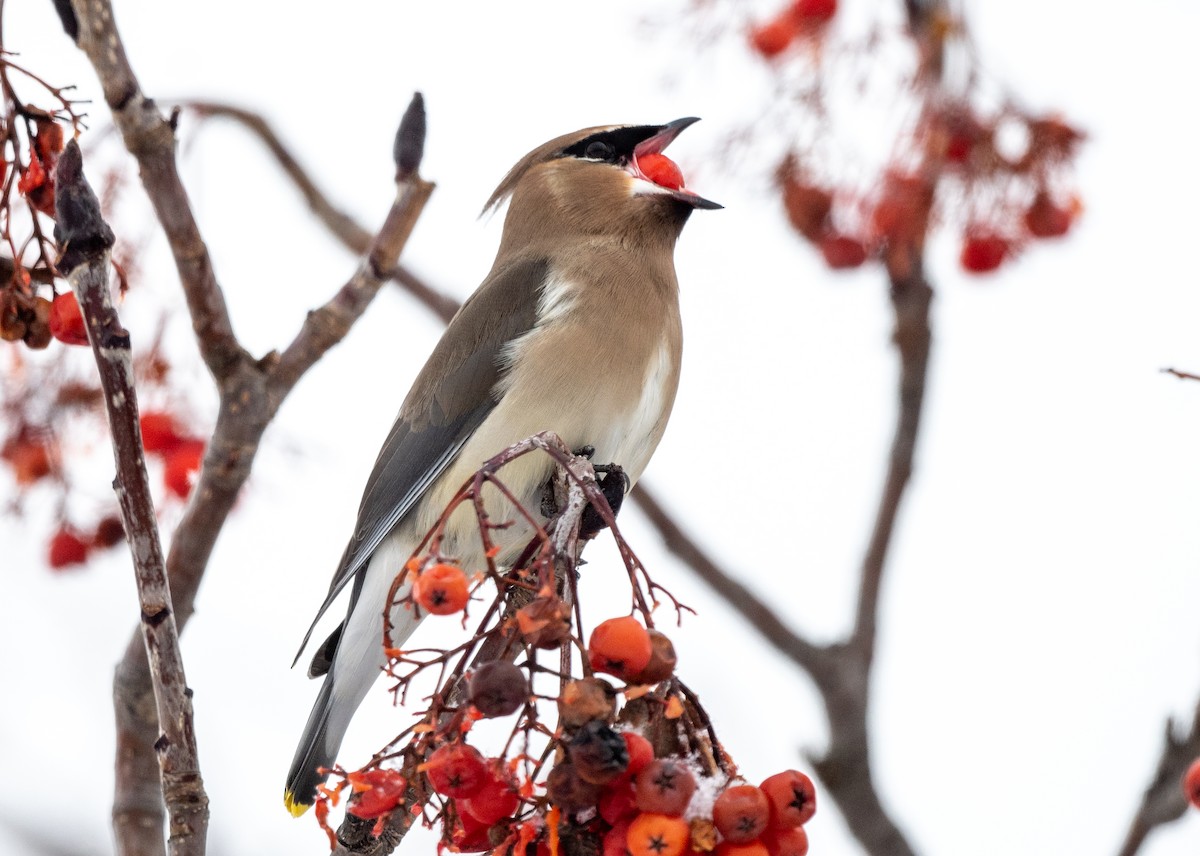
(109, 531)
(842, 252)
(619, 646)
(772, 38)
(807, 207)
(29, 458)
(66, 548)
(159, 433)
(183, 464)
(493, 802)
(470, 835)
(641, 753)
(657, 835)
(616, 839)
(661, 170)
(792, 796)
(814, 11)
(665, 787)
(741, 813)
(983, 252)
(902, 211)
(456, 770)
(442, 589)
(748, 848)
(378, 792)
(66, 320)
(786, 842)
(1044, 219)
(1191, 783)
(617, 801)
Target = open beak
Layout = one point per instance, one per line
(655, 144)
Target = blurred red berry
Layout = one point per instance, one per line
(619, 646)
(983, 252)
(442, 589)
(1045, 219)
(741, 813)
(183, 463)
(902, 210)
(1191, 784)
(792, 796)
(807, 207)
(378, 791)
(773, 37)
(812, 12)
(66, 549)
(159, 433)
(66, 320)
(842, 252)
(109, 531)
(29, 458)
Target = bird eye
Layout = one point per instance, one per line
(599, 150)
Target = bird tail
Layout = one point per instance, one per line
(318, 747)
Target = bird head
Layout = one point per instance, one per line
(611, 180)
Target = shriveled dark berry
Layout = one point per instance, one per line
(598, 753)
(499, 688)
(568, 791)
(586, 699)
(662, 660)
(545, 623)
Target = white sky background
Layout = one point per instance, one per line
(1039, 616)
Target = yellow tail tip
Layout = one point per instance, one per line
(294, 806)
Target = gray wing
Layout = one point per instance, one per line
(450, 398)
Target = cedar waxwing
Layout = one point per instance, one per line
(575, 330)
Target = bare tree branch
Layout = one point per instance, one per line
(86, 241)
(1163, 801)
(341, 225)
(250, 395)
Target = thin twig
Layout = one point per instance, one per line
(86, 241)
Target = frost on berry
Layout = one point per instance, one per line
(665, 786)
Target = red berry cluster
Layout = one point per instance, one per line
(181, 454)
(798, 20)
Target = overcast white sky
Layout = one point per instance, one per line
(1039, 619)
